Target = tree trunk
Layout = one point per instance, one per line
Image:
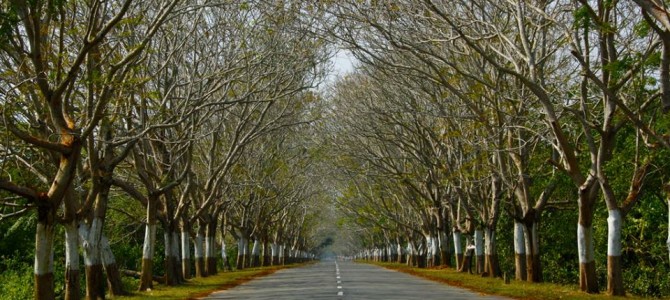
(176, 256)
(44, 239)
(255, 254)
(479, 251)
(114, 284)
(533, 262)
(199, 259)
(614, 273)
(466, 264)
(267, 257)
(445, 260)
(95, 284)
(275, 254)
(588, 281)
(168, 261)
(224, 256)
(71, 262)
(210, 245)
(458, 248)
(491, 262)
(241, 253)
(146, 280)
(519, 252)
(185, 253)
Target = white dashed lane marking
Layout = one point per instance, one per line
(339, 282)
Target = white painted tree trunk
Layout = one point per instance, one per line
(197, 246)
(72, 289)
(44, 262)
(614, 223)
(209, 247)
(520, 244)
(256, 250)
(71, 247)
(149, 242)
(185, 246)
(167, 238)
(519, 240)
(585, 244)
(458, 248)
(107, 256)
(479, 242)
(90, 241)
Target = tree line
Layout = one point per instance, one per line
(470, 120)
(187, 117)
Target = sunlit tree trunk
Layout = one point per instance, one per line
(588, 280)
(519, 252)
(458, 248)
(479, 251)
(198, 252)
(71, 262)
(44, 239)
(146, 279)
(185, 252)
(210, 244)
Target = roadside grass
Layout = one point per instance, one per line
(200, 287)
(496, 286)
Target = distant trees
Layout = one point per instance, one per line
(519, 95)
(159, 102)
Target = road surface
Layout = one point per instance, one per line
(344, 280)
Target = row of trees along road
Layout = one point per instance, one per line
(474, 119)
(186, 117)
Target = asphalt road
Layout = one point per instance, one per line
(344, 280)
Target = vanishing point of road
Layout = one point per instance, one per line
(344, 280)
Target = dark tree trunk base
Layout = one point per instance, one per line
(114, 283)
(587, 277)
(95, 285)
(44, 286)
(614, 276)
(72, 284)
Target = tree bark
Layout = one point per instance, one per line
(255, 254)
(146, 281)
(241, 253)
(275, 254)
(532, 243)
(479, 251)
(210, 245)
(95, 284)
(114, 284)
(44, 238)
(458, 248)
(614, 273)
(185, 253)
(588, 281)
(491, 261)
(168, 261)
(199, 259)
(71, 262)
(520, 271)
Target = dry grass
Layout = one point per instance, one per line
(496, 286)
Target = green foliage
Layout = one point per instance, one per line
(16, 278)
